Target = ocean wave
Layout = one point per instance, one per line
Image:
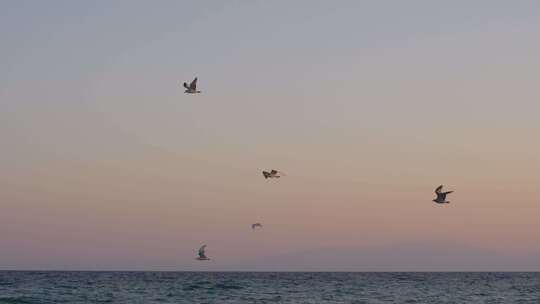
(227, 286)
(286, 288)
(193, 287)
(19, 300)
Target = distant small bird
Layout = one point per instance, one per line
(271, 174)
(256, 225)
(192, 88)
(441, 196)
(202, 256)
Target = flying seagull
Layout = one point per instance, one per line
(271, 174)
(441, 196)
(253, 226)
(192, 88)
(202, 256)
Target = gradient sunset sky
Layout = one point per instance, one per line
(367, 106)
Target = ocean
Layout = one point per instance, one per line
(267, 287)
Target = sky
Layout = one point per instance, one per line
(367, 106)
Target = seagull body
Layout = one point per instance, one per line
(256, 225)
(441, 196)
(271, 174)
(202, 256)
(192, 87)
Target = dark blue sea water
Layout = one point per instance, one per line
(252, 287)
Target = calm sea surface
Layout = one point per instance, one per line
(253, 287)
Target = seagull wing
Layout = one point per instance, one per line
(193, 84)
(201, 252)
(186, 86)
(273, 172)
(266, 174)
(438, 190)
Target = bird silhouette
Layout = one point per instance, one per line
(441, 196)
(192, 87)
(202, 255)
(271, 174)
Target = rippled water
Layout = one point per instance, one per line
(252, 287)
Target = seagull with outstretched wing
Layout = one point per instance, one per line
(202, 255)
(441, 196)
(272, 174)
(192, 87)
